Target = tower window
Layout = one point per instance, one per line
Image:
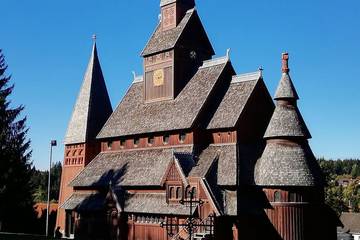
(109, 144)
(122, 142)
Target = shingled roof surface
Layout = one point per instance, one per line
(134, 116)
(128, 168)
(74, 200)
(84, 202)
(287, 122)
(288, 165)
(286, 88)
(234, 101)
(164, 40)
(155, 203)
(224, 156)
(92, 107)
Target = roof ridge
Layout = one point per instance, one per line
(214, 62)
(245, 77)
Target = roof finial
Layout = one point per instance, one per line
(261, 69)
(285, 63)
(94, 38)
(228, 53)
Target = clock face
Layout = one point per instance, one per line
(158, 77)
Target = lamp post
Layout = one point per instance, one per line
(52, 144)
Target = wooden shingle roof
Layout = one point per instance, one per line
(92, 107)
(134, 116)
(165, 40)
(128, 168)
(234, 101)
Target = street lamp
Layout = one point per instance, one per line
(52, 144)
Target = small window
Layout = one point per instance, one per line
(166, 139)
(292, 197)
(109, 144)
(277, 196)
(187, 192)
(122, 142)
(194, 192)
(136, 141)
(74, 153)
(182, 137)
(151, 140)
(178, 193)
(171, 192)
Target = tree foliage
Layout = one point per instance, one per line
(15, 165)
(344, 197)
(40, 182)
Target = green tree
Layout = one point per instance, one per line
(15, 165)
(355, 171)
(39, 180)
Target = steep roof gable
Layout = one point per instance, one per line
(234, 101)
(165, 40)
(92, 107)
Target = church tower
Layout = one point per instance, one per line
(91, 111)
(175, 51)
(287, 171)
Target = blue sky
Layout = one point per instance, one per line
(48, 43)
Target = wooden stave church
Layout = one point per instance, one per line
(192, 124)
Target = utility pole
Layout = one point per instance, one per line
(52, 144)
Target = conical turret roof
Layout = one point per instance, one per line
(287, 159)
(286, 89)
(286, 120)
(92, 107)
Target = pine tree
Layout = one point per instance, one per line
(355, 171)
(15, 165)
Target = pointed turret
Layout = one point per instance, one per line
(92, 107)
(287, 159)
(91, 111)
(286, 89)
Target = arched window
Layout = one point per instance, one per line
(194, 192)
(109, 144)
(277, 196)
(166, 139)
(171, 192)
(187, 191)
(292, 197)
(136, 141)
(178, 193)
(182, 137)
(151, 140)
